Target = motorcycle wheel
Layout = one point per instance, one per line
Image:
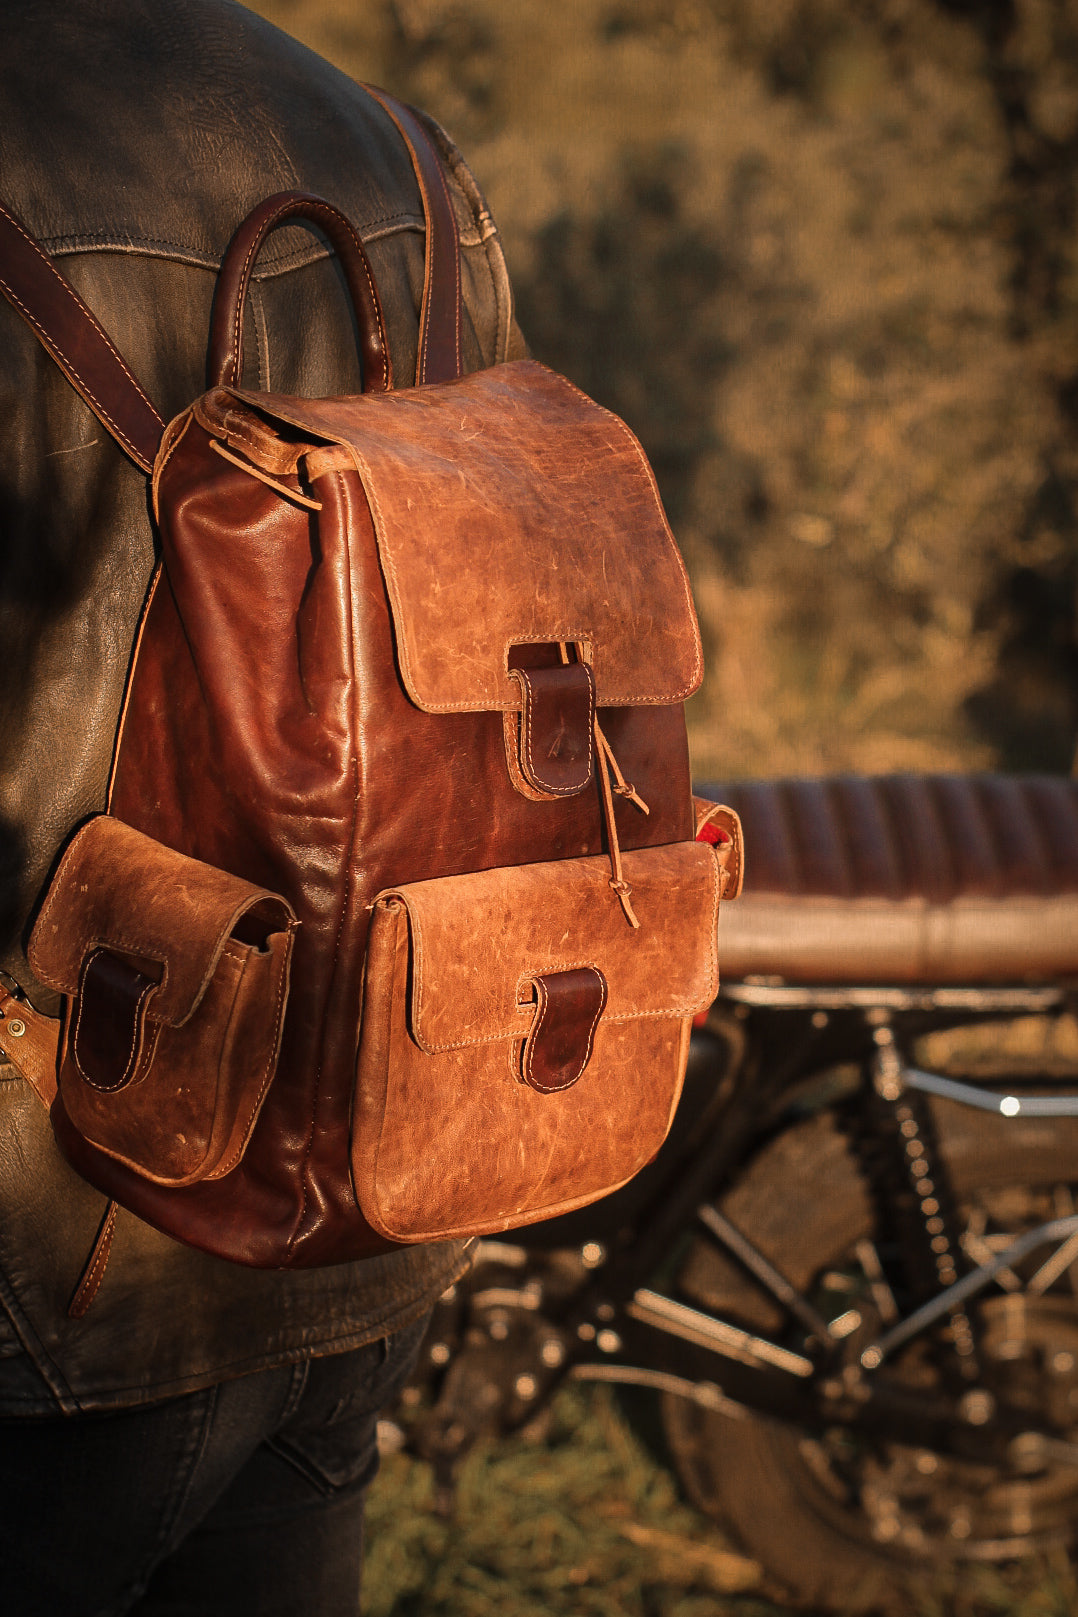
(845, 1522)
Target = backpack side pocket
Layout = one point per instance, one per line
(176, 977)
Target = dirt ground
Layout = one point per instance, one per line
(821, 255)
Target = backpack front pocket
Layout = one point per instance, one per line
(176, 977)
(522, 1048)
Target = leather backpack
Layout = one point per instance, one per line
(397, 919)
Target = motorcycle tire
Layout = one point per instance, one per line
(845, 1523)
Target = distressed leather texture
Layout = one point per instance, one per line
(134, 137)
(312, 777)
(478, 938)
(905, 879)
(480, 1107)
(125, 891)
(557, 496)
(179, 974)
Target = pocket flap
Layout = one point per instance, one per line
(511, 487)
(480, 941)
(119, 890)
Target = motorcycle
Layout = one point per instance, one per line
(851, 1273)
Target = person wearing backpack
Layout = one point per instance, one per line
(178, 1433)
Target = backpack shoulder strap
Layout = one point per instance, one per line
(439, 357)
(77, 342)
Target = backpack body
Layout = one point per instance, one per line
(270, 732)
(397, 921)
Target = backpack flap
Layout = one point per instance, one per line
(176, 976)
(522, 1050)
(522, 540)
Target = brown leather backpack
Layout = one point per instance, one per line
(397, 920)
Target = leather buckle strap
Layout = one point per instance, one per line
(29, 1040)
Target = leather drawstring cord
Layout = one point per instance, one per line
(607, 767)
(264, 477)
(622, 787)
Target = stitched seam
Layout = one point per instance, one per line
(87, 241)
(72, 296)
(681, 1008)
(268, 1071)
(731, 875)
(136, 945)
(389, 567)
(158, 470)
(298, 1227)
(287, 210)
(511, 738)
(91, 1280)
(136, 454)
(456, 278)
(431, 273)
(540, 1018)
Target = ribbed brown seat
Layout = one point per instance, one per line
(905, 878)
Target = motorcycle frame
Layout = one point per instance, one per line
(615, 1327)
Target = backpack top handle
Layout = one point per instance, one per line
(225, 363)
(439, 355)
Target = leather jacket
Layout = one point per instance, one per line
(134, 137)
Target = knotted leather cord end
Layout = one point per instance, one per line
(623, 890)
(632, 794)
(94, 1270)
(622, 786)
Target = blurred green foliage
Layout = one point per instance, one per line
(821, 254)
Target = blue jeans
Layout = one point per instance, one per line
(243, 1500)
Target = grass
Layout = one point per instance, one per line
(578, 1518)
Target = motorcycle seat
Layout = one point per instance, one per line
(926, 879)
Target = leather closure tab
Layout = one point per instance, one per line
(29, 1042)
(110, 1042)
(557, 713)
(559, 1046)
